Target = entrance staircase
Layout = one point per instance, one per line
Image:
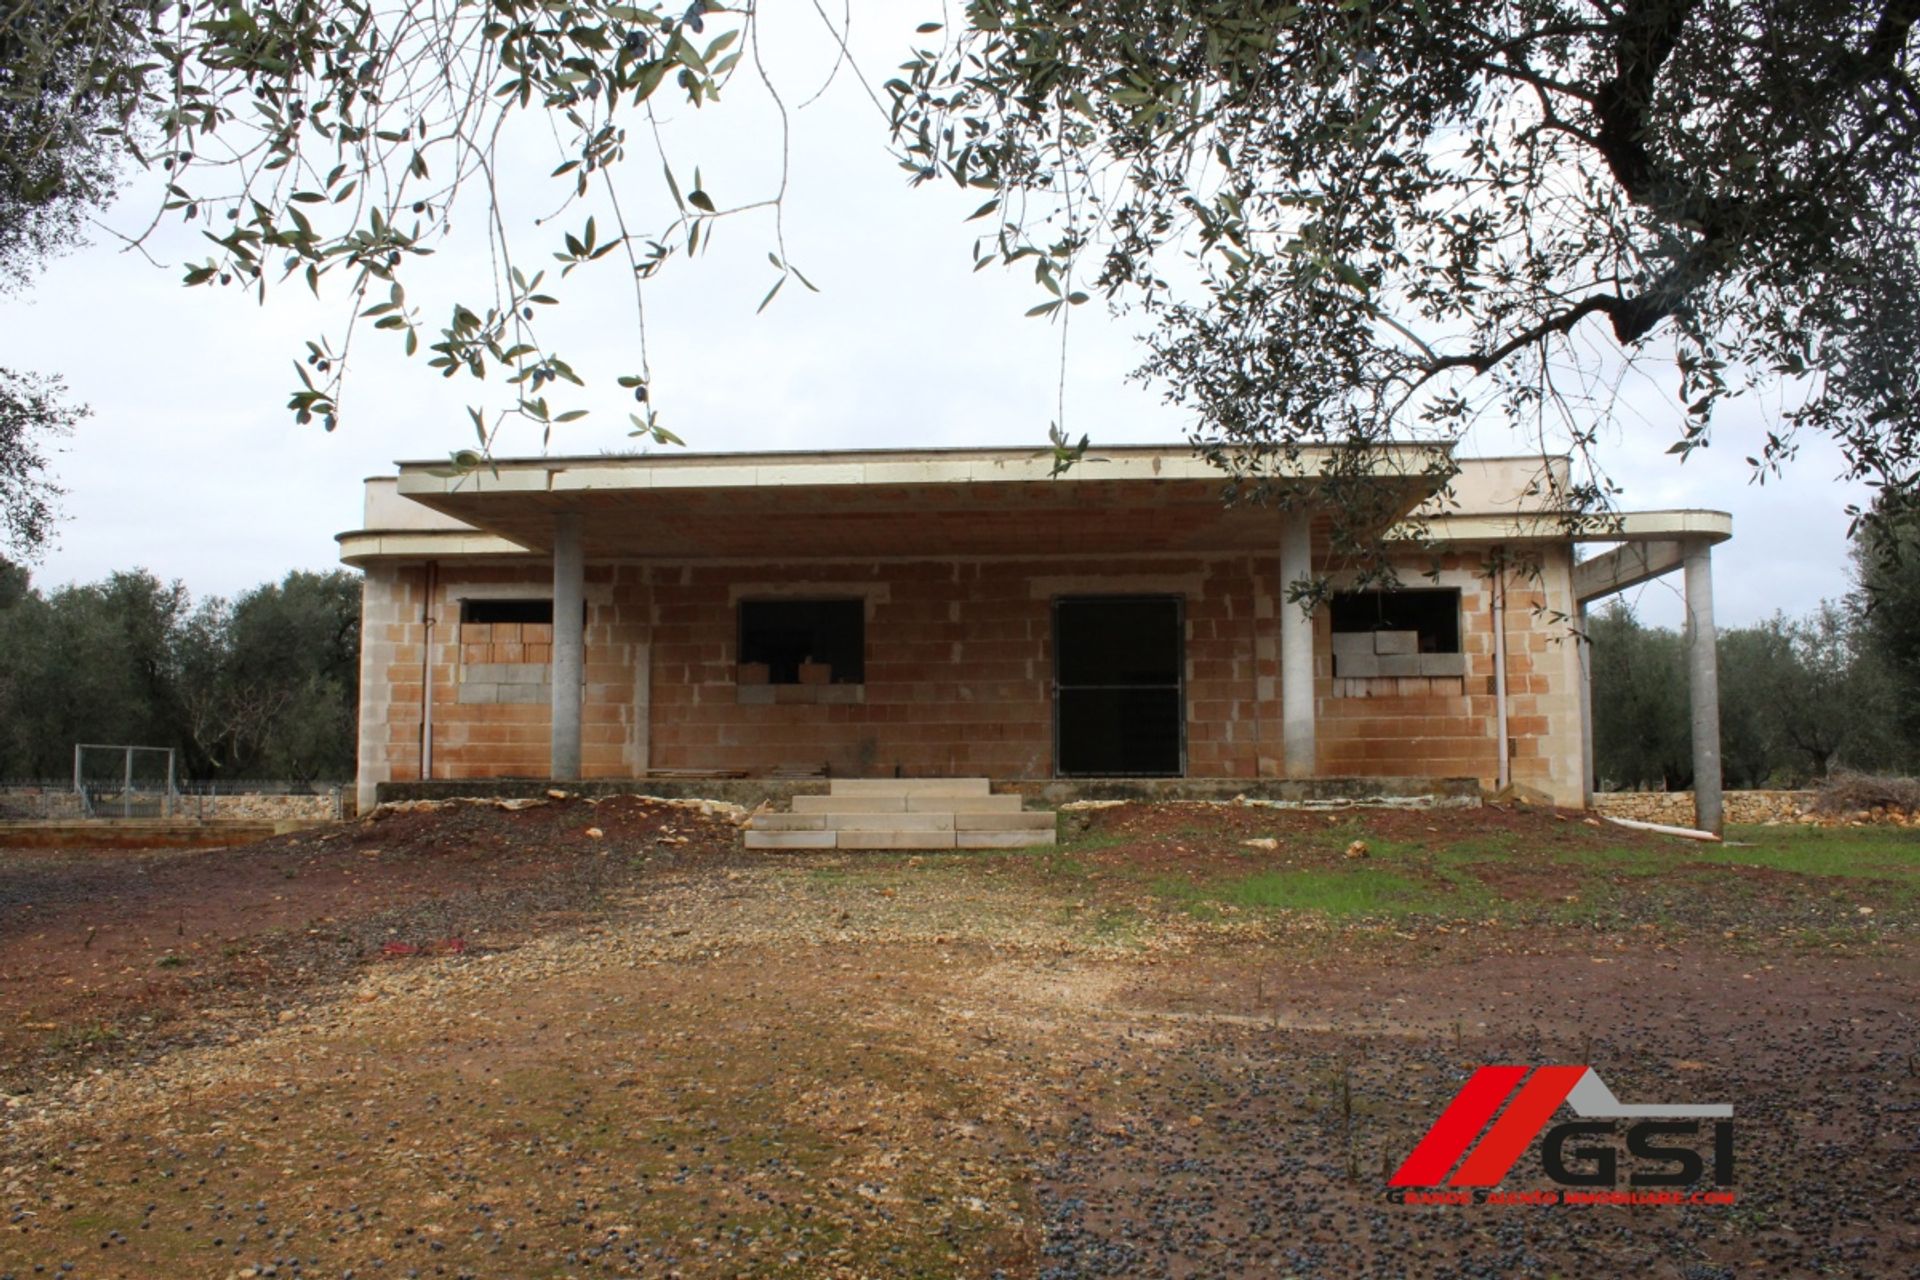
(903, 813)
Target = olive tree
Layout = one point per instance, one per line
(69, 86)
(1359, 221)
(1341, 223)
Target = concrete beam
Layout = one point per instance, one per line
(1296, 648)
(569, 645)
(1703, 687)
(1625, 566)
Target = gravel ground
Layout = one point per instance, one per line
(678, 1059)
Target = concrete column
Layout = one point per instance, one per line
(1703, 687)
(569, 644)
(1296, 647)
(1582, 621)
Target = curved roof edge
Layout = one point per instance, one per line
(1625, 526)
(363, 545)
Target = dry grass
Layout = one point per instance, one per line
(1846, 793)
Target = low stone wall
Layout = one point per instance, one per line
(1675, 808)
(51, 805)
(37, 804)
(327, 804)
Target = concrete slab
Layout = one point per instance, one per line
(790, 822)
(895, 839)
(1396, 642)
(911, 786)
(1035, 821)
(918, 803)
(1350, 644)
(850, 804)
(1002, 839)
(1356, 666)
(790, 839)
(888, 821)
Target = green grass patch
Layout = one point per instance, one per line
(1612, 860)
(1336, 893)
(1877, 853)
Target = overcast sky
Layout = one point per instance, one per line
(192, 468)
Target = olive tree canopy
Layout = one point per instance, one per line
(1370, 219)
(1340, 222)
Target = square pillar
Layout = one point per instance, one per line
(1296, 646)
(569, 645)
(1584, 640)
(1703, 687)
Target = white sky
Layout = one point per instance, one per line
(192, 468)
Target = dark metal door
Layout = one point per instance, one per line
(1119, 698)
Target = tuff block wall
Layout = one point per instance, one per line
(1448, 725)
(958, 678)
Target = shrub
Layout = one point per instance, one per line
(1860, 792)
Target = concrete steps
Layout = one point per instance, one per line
(903, 813)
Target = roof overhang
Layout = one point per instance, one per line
(1685, 525)
(894, 503)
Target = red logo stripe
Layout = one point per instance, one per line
(1458, 1125)
(1518, 1125)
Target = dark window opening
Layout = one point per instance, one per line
(1119, 707)
(484, 612)
(786, 636)
(1432, 614)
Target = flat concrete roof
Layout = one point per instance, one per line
(893, 502)
(861, 503)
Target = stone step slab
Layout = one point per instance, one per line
(959, 804)
(894, 839)
(1002, 839)
(758, 839)
(1022, 821)
(788, 822)
(888, 821)
(909, 786)
(850, 804)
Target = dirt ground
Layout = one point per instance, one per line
(485, 1043)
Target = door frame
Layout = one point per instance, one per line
(1179, 603)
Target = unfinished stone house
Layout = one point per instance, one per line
(961, 612)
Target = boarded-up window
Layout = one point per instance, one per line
(488, 612)
(1432, 615)
(803, 641)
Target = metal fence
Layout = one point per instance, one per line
(124, 780)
